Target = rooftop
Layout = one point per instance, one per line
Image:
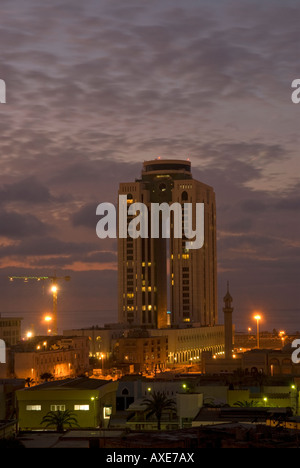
(80, 383)
(247, 414)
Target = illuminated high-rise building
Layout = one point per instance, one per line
(162, 283)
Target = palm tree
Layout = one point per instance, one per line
(246, 404)
(59, 419)
(46, 376)
(157, 404)
(29, 381)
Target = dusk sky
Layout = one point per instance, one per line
(94, 89)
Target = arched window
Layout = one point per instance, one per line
(184, 196)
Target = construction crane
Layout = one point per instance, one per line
(54, 289)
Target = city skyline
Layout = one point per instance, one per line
(95, 90)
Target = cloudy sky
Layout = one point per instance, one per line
(95, 88)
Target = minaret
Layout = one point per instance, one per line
(228, 309)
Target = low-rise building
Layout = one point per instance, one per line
(146, 353)
(10, 330)
(56, 355)
(271, 362)
(8, 387)
(185, 345)
(91, 401)
(101, 340)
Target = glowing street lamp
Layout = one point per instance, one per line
(265, 399)
(54, 290)
(54, 279)
(282, 336)
(257, 317)
(48, 319)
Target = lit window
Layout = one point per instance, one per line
(58, 407)
(81, 407)
(33, 407)
(107, 411)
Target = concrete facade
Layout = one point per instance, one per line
(62, 357)
(144, 280)
(92, 401)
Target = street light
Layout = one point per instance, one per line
(257, 318)
(48, 319)
(265, 400)
(54, 290)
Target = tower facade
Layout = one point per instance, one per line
(228, 309)
(162, 283)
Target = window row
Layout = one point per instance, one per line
(57, 407)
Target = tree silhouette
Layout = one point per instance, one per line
(157, 403)
(246, 404)
(60, 419)
(47, 376)
(29, 381)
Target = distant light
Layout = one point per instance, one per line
(48, 318)
(29, 334)
(257, 317)
(54, 289)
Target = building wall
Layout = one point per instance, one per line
(273, 399)
(100, 340)
(10, 330)
(8, 388)
(193, 272)
(69, 359)
(35, 403)
(186, 345)
(148, 352)
(188, 406)
(142, 262)
(270, 362)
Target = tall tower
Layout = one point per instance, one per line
(161, 282)
(228, 309)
